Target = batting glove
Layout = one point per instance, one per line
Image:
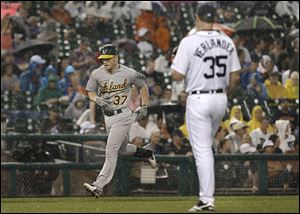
(142, 112)
(101, 101)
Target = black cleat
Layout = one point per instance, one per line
(202, 207)
(92, 190)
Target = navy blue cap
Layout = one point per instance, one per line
(207, 13)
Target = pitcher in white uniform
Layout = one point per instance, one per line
(208, 62)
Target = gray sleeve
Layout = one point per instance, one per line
(92, 84)
(139, 79)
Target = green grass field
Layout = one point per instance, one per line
(224, 204)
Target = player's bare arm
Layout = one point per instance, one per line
(234, 80)
(177, 76)
(144, 95)
(92, 96)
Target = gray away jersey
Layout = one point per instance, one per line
(116, 86)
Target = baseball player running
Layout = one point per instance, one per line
(109, 86)
(209, 63)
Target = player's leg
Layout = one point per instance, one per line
(218, 115)
(132, 150)
(115, 139)
(206, 117)
(200, 128)
(126, 148)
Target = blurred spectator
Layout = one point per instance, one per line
(277, 49)
(225, 146)
(144, 44)
(153, 77)
(83, 60)
(266, 66)
(33, 27)
(239, 129)
(174, 120)
(9, 81)
(49, 94)
(284, 61)
(156, 143)
(9, 59)
(21, 25)
(92, 23)
(247, 74)
(292, 85)
(287, 140)
(220, 135)
(275, 167)
(30, 80)
(155, 93)
(164, 132)
(49, 70)
(244, 65)
(60, 14)
(6, 34)
(294, 63)
(48, 28)
(146, 20)
(143, 129)
(166, 96)
(179, 145)
(53, 123)
(65, 83)
(162, 64)
(76, 107)
(284, 112)
(162, 34)
(246, 148)
(274, 88)
(289, 8)
(75, 9)
(276, 140)
(256, 117)
(239, 42)
(259, 48)
(261, 134)
(256, 89)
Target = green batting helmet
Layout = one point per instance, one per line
(108, 51)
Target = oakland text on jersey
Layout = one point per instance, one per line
(112, 86)
(213, 43)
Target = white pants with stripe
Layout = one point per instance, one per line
(204, 113)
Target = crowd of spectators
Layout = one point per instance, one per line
(262, 114)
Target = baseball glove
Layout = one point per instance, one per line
(141, 112)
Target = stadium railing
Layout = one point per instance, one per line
(175, 175)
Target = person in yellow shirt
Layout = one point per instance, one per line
(274, 88)
(292, 85)
(183, 129)
(257, 116)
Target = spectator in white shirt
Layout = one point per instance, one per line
(145, 47)
(260, 135)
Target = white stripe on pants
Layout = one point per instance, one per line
(204, 114)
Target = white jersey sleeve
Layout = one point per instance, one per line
(181, 61)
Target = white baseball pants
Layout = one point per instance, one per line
(203, 116)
